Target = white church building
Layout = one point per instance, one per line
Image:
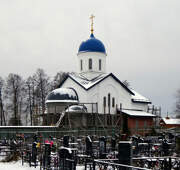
(94, 85)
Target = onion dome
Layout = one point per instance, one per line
(92, 45)
(62, 95)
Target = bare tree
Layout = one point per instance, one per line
(42, 88)
(178, 103)
(14, 95)
(2, 117)
(58, 79)
(30, 92)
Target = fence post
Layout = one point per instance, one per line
(94, 165)
(170, 163)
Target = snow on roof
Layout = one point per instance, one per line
(171, 121)
(139, 98)
(61, 101)
(76, 108)
(62, 95)
(137, 113)
(64, 91)
(86, 83)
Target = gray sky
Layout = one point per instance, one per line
(141, 37)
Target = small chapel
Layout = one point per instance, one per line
(102, 93)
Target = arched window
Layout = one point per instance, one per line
(104, 101)
(109, 100)
(109, 103)
(113, 102)
(90, 63)
(81, 65)
(100, 64)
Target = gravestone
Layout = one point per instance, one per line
(125, 152)
(89, 146)
(102, 147)
(66, 141)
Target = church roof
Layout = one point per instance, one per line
(137, 113)
(88, 84)
(92, 45)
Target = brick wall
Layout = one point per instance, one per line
(140, 125)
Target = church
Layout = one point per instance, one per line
(103, 92)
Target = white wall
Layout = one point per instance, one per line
(96, 94)
(95, 56)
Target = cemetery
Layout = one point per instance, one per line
(69, 152)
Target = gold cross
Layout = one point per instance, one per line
(91, 18)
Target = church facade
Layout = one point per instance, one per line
(94, 85)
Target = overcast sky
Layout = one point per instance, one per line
(142, 40)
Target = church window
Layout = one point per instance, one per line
(109, 99)
(81, 65)
(90, 64)
(104, 101)
(113, 102)
(100, 64)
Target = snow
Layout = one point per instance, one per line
(64, 91)
(15, 166)
(86, 83)
(138, 97)
(76, 108)
(137, 113)
(18, 166)
(171, 121)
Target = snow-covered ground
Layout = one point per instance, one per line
(18, 166)
(14, 166)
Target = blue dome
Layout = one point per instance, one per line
(92, 45)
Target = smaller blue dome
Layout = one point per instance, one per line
(92, 45)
